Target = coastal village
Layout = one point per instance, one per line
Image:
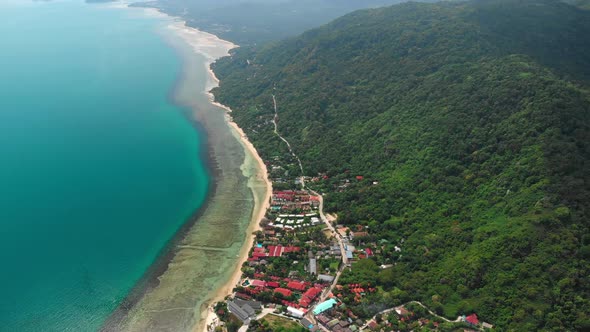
(291, 280)
(297, 276)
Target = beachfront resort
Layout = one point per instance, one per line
(301, 274)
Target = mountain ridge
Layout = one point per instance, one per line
(469, 124)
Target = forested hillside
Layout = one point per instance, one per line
(470, 126)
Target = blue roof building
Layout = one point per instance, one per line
(326, 305)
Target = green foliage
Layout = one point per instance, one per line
(272, 323)
(364, 272)
(472, 119)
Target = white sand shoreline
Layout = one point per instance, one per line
(212, 48)
(209, 46)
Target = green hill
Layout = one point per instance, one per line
(470, 124)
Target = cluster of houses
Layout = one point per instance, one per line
(293, 200)
(294, 294)
(290, 275)
(282, 271)
(293, 221)
(331, 319)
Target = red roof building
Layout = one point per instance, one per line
(369, 252)
(290, 304)
(402, 312)
(257, 283)
(290, 249)
(304, 302)
(273, 284)
(472, 319)
(285, 292)
(278, 251)
(295, 285)
(312, 293)
(275, 251)
(309, 296)
(259, 254)
(360, 234)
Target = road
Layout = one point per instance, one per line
(274, 121)
(329, 225)
(415, 302)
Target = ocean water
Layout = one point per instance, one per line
(98, 168)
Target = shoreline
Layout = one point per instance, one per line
(147, 294)
(261, 206)
(258, 213)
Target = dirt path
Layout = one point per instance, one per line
(274, 121)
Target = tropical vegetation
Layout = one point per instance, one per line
(456, 131)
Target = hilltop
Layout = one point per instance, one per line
(460, 130)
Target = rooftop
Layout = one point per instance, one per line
(326, 305)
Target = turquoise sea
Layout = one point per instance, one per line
(98, 168)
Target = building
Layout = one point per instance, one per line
(244, 313)
(359, 234)
(349, 254)
(296, 285)
(295, 312)
(402, 312)
(284, 292)
(487, 325)
(308, 325)
(309, 296)
(325, 278)
(472, 320)
(256, 305)
(257, 283)
(343, 232)
(278, 251)
(313, 268)
(324, 306)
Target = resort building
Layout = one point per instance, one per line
(324, 306)
(245, 312)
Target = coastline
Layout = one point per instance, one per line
(160, 298)
(261, 205)
(258, 213)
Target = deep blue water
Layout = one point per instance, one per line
(98, 169)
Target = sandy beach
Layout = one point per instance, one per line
(205, 264)
(261, 204)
